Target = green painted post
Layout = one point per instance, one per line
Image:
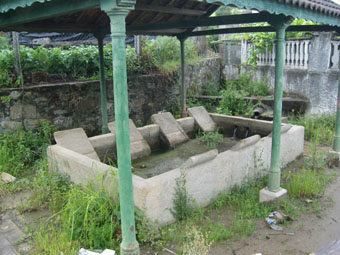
(280, 24)
(183, 88)
(100, 38)
(129, 245)
(336, 141)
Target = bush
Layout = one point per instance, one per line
(234, 102)
(210, 139)
(320, 128)
(20, 150)
(75, 62)
(165, 51)
(183, 204)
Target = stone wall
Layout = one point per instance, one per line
(77, 104)
(311, 69)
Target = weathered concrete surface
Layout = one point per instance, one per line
(172, 133)
(267, 196)
(188, 125)
(151, 135)
(202, 119)
(76, 140)
(206, 174)
(138, 146)
(105, 146)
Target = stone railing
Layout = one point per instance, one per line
(296, 54)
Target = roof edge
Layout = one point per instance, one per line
(276, 7)
(7, 5)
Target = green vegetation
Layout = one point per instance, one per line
(165, 51)
(81, 62)
(210, 139)
(19, 151)
(317, 126)
(234, 101)
(183, 204)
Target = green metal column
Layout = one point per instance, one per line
(280, 24)
(129, 245)
(183, 88)
(100, 38)
(336, 141)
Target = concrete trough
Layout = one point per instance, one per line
(207, 174)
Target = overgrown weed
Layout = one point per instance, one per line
(317, 125)
(210, 139)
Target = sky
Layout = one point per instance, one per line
(336, 1)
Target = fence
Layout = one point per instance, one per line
(297, 54)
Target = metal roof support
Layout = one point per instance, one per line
(237, 30)
(117, 14)
(183, 88)
(280, 23)
(103, 97)
(211, 21)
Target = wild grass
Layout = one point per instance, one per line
(210, 139)
(20, 150)
(317, 126)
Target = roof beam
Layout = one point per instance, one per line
(50, 9)
(236, 30)
(213, 21)
(169, 10)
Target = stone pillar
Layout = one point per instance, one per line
(274, 191)
(103, 97)
(321, 49)
(117, 11)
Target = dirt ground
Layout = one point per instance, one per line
(312, 232)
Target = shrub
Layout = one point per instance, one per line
(165, 51)
(320, 128)
(20, 150)
(183, 206)
(75, 62)
(234, 103)
(210, 139)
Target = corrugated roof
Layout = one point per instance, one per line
(323, 6)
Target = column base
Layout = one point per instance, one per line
(267, 196)
(130, 250)
(333, 158)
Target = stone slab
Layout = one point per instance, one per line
(11, 232)
(172, 133)
(138, 146)
(202, 118)
(76, 140)
(268, 196)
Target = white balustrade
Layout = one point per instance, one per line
(296, 54)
